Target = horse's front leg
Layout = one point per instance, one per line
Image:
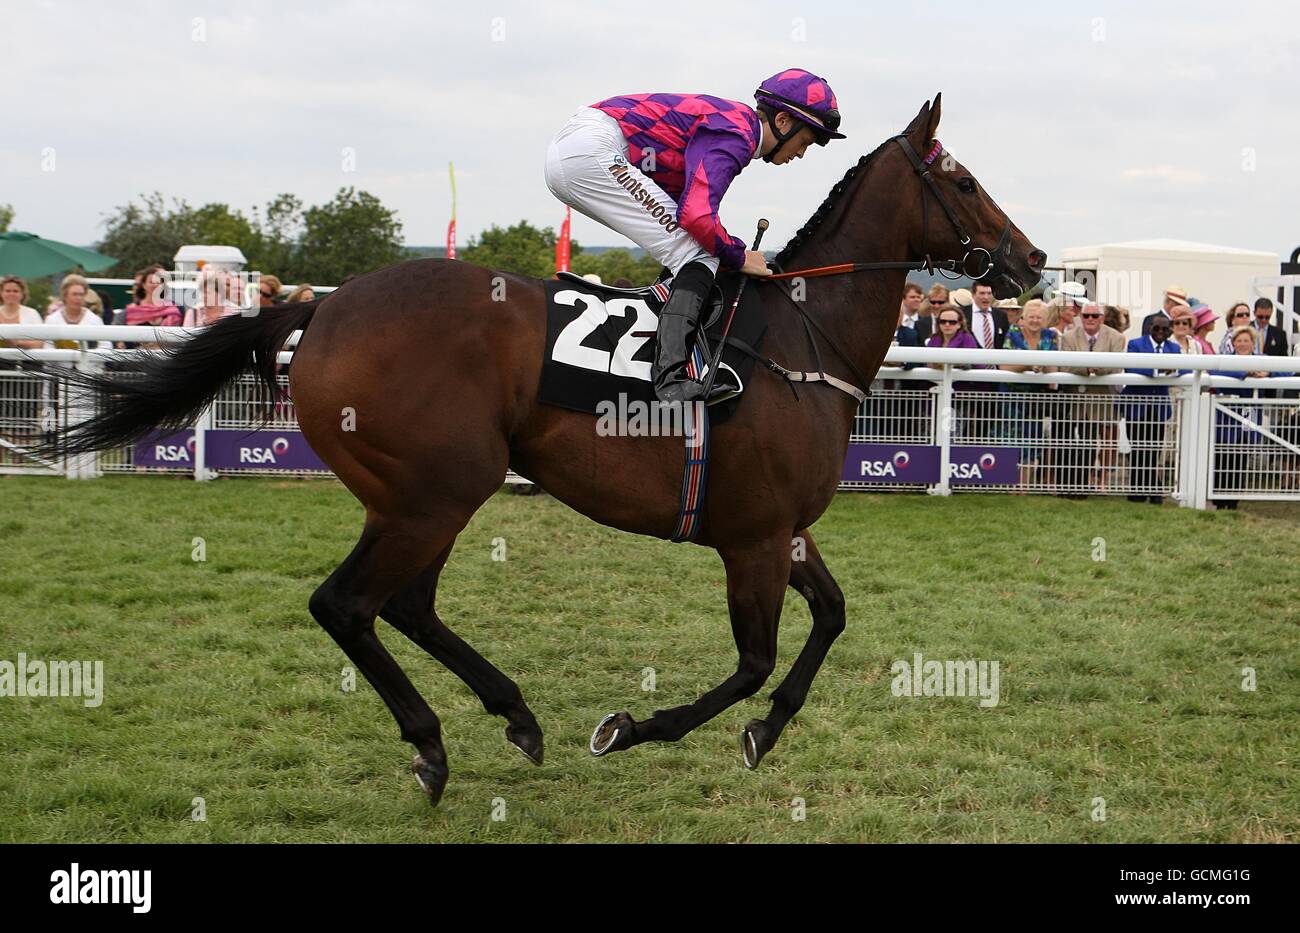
(756, 580)
(814, 582)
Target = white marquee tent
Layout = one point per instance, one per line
(1134, 275)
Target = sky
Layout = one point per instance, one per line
(1088, 122)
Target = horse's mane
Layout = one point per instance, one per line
(808, 229)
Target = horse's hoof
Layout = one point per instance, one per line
(613, 734)
(432, 778)
(528, 741)
(756, 740)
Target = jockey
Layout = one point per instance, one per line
(654, 167)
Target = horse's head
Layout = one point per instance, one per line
(993, 244)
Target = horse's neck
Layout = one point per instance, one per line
(858, 310)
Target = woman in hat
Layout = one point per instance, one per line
(1238, 316)
(1183, 323)
(1202, 323)
(654, 167)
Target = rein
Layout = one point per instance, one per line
(957, 268)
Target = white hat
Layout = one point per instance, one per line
(1074, 292)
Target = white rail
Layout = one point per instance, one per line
(1208, 446)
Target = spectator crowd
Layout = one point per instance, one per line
(1070, 435)
(215, 294)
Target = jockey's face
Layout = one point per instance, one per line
(794, 147)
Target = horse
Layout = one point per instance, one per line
(417, 384)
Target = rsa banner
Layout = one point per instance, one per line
(230, 450)
(918, 464)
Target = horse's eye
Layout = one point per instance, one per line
(967, 185)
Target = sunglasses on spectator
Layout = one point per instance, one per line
(1091, 314)
(1242, 314)
(948, 320)
(1182, 323)
(938, 302)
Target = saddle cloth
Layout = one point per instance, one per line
(600, 342)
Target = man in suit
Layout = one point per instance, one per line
(1270, 341)
(1084, 410)
(915, 313)
(1146, 409)
(988, 325)
(1175, 296)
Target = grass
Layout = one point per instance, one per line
(1120, 679)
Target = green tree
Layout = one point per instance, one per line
(352, 234)
(6, 217)
(522, 249)
(280, 230)
(614, 264)
(142, 234)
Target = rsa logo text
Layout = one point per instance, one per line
(257, 456)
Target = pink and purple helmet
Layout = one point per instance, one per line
(807, 98)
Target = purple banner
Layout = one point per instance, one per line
(891, 463)
(173, 451)
(988, 466)
(230, 450)
(259, 450)
(918, 464)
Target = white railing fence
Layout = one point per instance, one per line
(938, 427)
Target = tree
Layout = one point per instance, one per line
(142, 234)
(522, 249)
(351, 235)
(614, 264)
(6, 217)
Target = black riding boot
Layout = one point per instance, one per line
(676, 335)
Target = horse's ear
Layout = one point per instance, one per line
(934, 117)
(919, 122)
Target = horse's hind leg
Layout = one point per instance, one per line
(756, 579)
(814, 582)
(412, 612)
(388, 556)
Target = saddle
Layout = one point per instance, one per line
(656, 293)
(600, 341)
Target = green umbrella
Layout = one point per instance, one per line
(28, 255)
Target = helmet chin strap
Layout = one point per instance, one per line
(781, 138)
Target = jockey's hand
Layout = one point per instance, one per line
(755, 264)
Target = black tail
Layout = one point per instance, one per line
(167, 391)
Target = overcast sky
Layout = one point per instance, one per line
(1089, 122)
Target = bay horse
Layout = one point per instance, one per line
(440, 378)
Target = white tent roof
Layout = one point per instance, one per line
(1171, 246)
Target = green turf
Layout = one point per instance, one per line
(1119, 679)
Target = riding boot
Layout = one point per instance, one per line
(676, 335)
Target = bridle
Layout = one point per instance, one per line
(990, 261)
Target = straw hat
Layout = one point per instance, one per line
(961, 297)
(1203, 315)
(1177, 294)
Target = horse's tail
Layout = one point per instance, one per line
(167, 390)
